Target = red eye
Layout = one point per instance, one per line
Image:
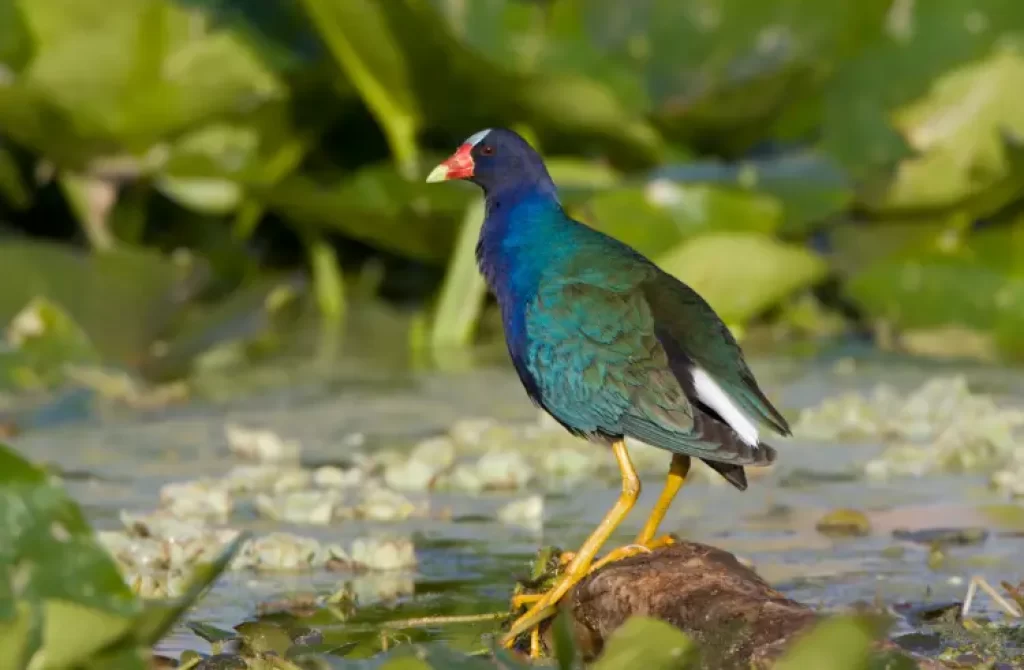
(486, 150)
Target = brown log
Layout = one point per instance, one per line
(738, 620)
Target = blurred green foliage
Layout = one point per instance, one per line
(756, 148)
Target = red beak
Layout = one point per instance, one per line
(458, 166)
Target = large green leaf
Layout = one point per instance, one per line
(810, 186)
(713, 72)
(213, 167)
(957, 132)
(903, 92)
(742, 275)
(657, 217)
(480, 90)
(856, 244)
(378, 206)
(978, 284)
(15, 39)
(121, 299)
(119, 76)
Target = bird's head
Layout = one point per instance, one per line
(494, 158)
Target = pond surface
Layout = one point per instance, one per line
(468, 561)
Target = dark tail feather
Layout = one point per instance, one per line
(734, 474)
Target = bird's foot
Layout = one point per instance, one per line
(543, 606)
(659, 542)
(632, 550)
(521, 600)
(618, 554)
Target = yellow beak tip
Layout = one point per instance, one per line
(440, 173)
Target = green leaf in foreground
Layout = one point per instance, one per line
(53, 570)
(837, 643)
(565, 645)
(63, 602)
(742, 275)
(647, 643)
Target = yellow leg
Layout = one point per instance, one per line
(676, 478)
(578, 567)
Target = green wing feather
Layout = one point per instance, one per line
(682, 315)
(601, 368)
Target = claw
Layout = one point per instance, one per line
(535, 642)
(532, 619)
(523, 599)
(619, 554)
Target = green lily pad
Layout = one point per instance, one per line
(264, 636)
(741, 275)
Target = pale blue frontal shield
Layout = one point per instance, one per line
(476, 138)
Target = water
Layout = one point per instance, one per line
(468, 561)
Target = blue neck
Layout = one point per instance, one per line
(523, 236)
(526, 236)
